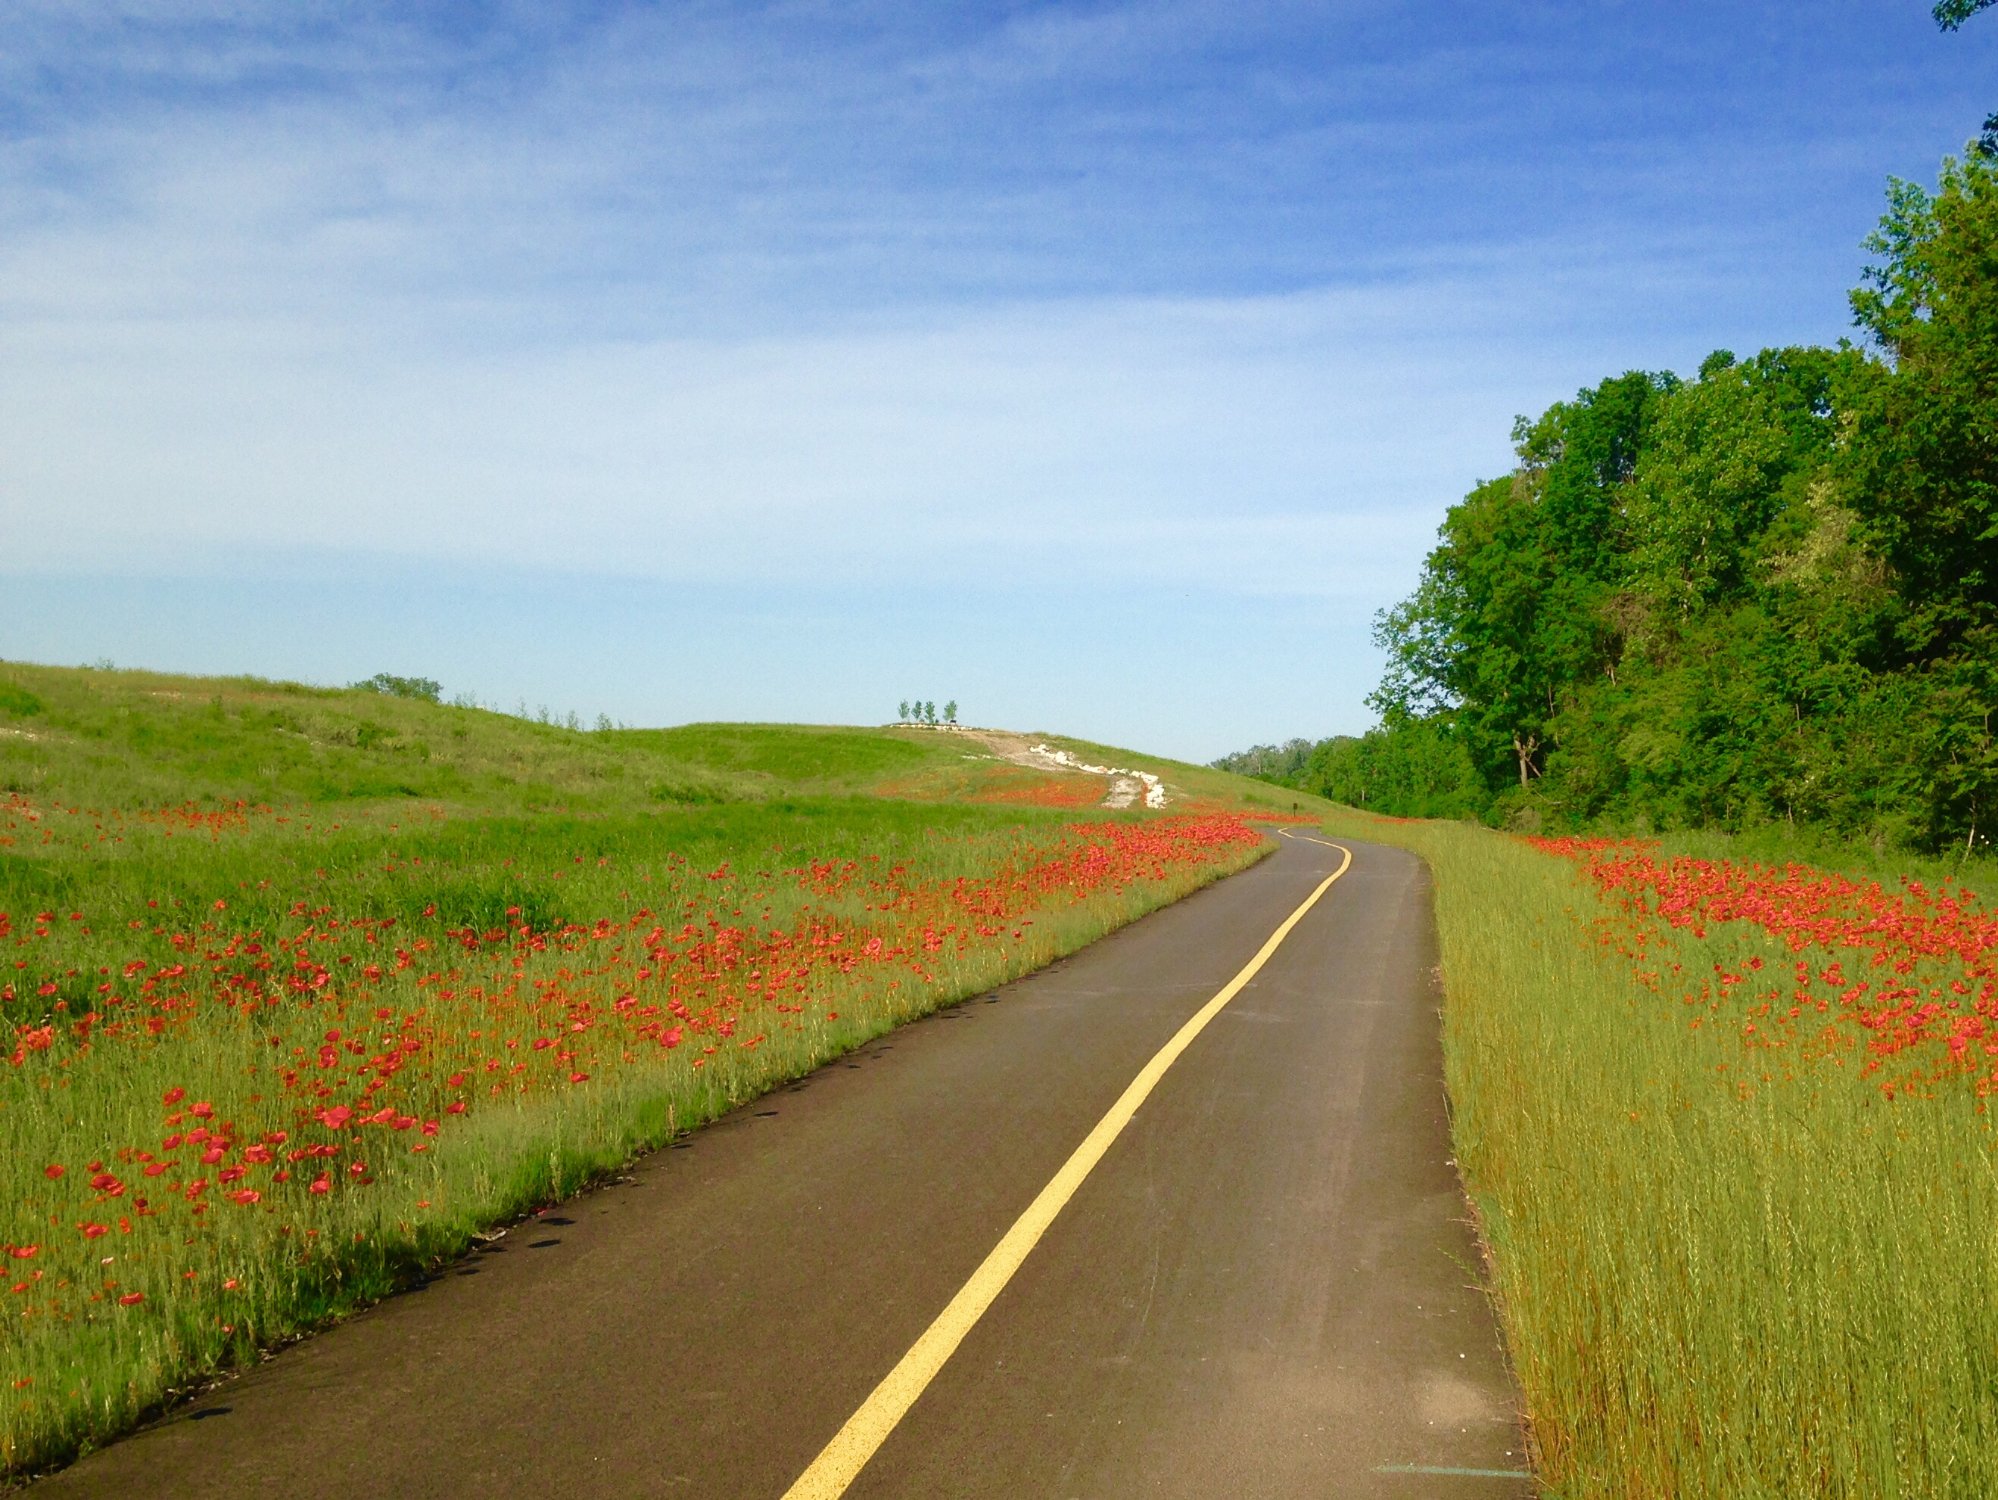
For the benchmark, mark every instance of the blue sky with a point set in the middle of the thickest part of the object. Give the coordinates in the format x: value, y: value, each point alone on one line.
x: 1102, y: 366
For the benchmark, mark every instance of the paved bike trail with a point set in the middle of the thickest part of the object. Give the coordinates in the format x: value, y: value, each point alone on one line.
x: 1267, y: 1287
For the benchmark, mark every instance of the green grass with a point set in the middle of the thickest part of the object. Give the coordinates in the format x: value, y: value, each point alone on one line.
x: 126, y: 739
x: 1722, y: 1270
x: 793, y: 758
x: 245, y: 868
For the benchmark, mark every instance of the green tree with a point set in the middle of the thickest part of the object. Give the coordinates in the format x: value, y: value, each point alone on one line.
x: 1924, y: 464
x: 1277, y: 763
x: 950, y: 712
x: 1770, y: 593
x: 1951, y: 14
x: 1417, y: 768
x: 1728, y: 454
x: 1513, y: 610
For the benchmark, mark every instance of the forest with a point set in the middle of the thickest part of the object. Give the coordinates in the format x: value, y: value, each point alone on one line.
x: 1767, y: 593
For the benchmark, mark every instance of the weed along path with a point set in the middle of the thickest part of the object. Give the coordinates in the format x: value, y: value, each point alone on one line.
x: 1165, y: 1259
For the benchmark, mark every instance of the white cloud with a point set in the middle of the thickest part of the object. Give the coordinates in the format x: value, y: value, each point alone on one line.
x: 1163, y: 299
x: 1262, y: 440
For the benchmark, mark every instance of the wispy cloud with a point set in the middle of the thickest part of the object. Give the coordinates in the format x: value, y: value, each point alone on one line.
x: 1068, y: 441
x: 1163, y: 293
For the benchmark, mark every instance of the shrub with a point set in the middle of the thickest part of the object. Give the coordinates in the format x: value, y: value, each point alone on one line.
x: 392, y: 686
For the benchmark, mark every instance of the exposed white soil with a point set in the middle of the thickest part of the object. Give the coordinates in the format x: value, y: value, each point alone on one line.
x: 1124, y: 791
x: 1127, y: 788
x: 1124, y: 784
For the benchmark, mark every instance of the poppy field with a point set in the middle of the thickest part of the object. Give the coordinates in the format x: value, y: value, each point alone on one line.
x: 1729, y: 1130
x: 263, y: 1063
x: 1898, y: 986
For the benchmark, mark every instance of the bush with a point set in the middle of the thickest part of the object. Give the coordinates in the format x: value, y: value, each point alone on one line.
x: 392, y: 686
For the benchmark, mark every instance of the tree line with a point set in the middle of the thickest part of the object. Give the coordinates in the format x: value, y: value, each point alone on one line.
x: 1765, y: 593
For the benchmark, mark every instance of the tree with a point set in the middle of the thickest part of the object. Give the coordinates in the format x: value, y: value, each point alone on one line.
x: 902, y: 712
x: 1924, y: 461
x: 1767, y: 594
x: 1414, y: 769
x: 950, y: 712
x: 1279, y: 763
x: 1513, y: 609
x: 930, y: 712
x: 1726, y: 456
x: 1951, y: 14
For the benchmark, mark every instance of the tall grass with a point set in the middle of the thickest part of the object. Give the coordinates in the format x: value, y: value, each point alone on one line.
x: 300, y: 989
x: 1724, y: 1269
x: 460, y: 1023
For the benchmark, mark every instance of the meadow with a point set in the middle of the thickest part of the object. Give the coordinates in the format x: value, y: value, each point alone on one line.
x: 304, y: 988
x: 1726, y: 1123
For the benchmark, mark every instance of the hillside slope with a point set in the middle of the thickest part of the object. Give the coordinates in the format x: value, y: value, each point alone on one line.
x: 126, y: 739
x: 301, y: 988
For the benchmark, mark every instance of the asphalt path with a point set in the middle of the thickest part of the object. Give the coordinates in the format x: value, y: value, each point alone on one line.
x: 1266, y: 1286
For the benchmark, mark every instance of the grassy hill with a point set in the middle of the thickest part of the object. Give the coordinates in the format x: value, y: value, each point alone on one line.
x: 125, y: 737
x: 302, y: 987
x: 119, y: 739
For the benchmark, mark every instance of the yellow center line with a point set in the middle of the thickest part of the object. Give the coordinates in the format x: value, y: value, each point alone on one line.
x: 1322, y: 843
x: 842, y: 1459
